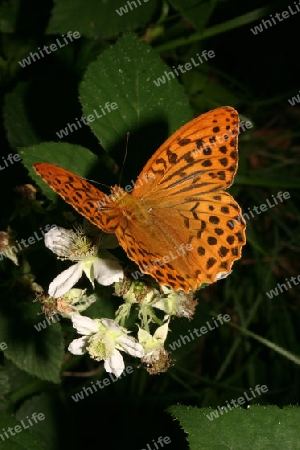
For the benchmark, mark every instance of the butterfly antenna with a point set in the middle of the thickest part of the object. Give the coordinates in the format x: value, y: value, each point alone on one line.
x: 121, y: 173
x: 95, y: 182
x: 125, y: 156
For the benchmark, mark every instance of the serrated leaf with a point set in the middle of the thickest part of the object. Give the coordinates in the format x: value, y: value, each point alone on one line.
x: 50, y: 430
x: 257, y: 428
x: 125, y: 75
x: 141, y: 110
x: 21, y: 440
x: 39, y: 353
x: 17, y: 379
x: 19, y: 128
x: 75, y: 158
x: 93, y: 18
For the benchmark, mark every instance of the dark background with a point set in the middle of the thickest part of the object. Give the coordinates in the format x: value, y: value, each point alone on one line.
x: 257, y: 74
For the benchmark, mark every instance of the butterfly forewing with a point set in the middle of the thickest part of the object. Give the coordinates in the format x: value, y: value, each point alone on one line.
x: 199, y: 157
x: 178, y: 225
x: 82, y: 195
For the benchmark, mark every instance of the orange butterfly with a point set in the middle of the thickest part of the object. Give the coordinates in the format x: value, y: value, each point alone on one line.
x: 178, y: 224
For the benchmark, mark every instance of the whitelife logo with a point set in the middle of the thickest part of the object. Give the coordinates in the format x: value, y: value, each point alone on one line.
x: 217, y: 141
x: 3, y: 346
x: 267, y: 23
x: 161, y: 441
x: 292, y: 101
x: 274, y: 292
x: 149, y: 176
x: 86, y: 120
x: 9, y: 160
x: 86, y: 391
x: 56, y: 318
x: 262, y: 208
x: 241, y: 401
x: 183, y: 68
x: 47, y: 322
x: 202, y: 330
x: 124, y: 8
x: 53, y: 47
x: 31, y: 240
x: 18, y: 428
x: 181, y: 250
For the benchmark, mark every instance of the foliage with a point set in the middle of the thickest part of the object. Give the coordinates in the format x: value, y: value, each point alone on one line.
x: 116, y: 59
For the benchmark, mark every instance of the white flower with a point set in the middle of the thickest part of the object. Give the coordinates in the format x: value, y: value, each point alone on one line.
x: 105, y: 271
x: 102, y: 339
x: 58, y: 240
x: 75, y: 246
x: 156, y: 357
x: 176, y: 303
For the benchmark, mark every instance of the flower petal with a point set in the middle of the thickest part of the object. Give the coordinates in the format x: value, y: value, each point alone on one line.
x: 57, y: 240
x: 88, y: 268
x: 107, y: 271
x: 111, y: 325
x: 65, y: 281
x: 115, y: 363
x: 130, y: 346
x: 84, y: 325
x: 77, y: 346
x: 161, y: 332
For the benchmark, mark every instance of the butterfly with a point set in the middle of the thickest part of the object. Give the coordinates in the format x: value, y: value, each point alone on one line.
x: 178, y: 224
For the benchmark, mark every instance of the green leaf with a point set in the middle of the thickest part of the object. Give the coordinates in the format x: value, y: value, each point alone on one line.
x: 21, y: 440
x: 258, y: 428
x: 21, y: 384
x: 195, y: 11
x: 93, y: 18
x: 49, y: 431
x: 125, y: 74
x: 20, y: 129
x: 144, y: 111
x: 39, y: 353
x: 75, y: 158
